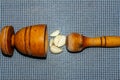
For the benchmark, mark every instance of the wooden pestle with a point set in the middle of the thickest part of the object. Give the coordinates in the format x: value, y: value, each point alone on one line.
x: 76, y: 42
x: 30, y: 40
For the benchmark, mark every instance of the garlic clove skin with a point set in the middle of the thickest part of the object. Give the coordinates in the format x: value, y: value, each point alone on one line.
x: 55, y: 33
x: 55, y: 49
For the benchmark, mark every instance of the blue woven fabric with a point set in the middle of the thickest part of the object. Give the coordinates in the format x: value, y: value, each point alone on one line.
x: 88, y: 17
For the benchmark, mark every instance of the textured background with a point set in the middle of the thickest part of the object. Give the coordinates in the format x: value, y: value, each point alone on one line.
x: 88, y: 17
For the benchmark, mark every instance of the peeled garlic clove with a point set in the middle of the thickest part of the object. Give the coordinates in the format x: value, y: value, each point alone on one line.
x: 51, y: 42
x: 55, y: 33
x: 57, y: 39
x: 61, y: 41
x: 55, y: 49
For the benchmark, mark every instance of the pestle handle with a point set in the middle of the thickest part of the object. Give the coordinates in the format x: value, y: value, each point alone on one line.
x: 104, y: 41
x: 76, y: 42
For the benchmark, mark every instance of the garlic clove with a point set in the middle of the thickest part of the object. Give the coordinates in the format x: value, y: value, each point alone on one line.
x: 55, y: 33
x: 62, y: 41
x: 51, y: 42
x: 57, y: 39
x: 55, y: 49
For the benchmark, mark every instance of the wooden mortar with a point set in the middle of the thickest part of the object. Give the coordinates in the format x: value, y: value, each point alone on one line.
x: 30, y: 40
x: 76, y: 42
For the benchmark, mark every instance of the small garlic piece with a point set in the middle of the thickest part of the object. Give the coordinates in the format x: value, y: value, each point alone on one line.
x: 57, y: 39
x: 55, y: 33
x: 55, y: 49
x: 60, y: 40
x: 51, y: 42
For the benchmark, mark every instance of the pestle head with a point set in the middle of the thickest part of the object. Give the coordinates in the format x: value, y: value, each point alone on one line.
x: 74, y: 42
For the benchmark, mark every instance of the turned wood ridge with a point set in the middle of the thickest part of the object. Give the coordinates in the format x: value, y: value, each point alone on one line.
x: 33, y: 41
